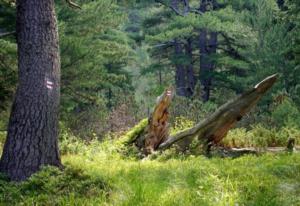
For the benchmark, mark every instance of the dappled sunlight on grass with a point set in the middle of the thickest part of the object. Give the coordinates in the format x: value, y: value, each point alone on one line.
x: 248, y: 180
x: 104, y: 173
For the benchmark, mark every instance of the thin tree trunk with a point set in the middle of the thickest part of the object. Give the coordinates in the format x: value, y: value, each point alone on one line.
x: 191, y: 80
x: 160, y: 77
x: 180, y: 73
x: 33, y: 127
x: 212, y: 49
x: 180, y: 79
x: 207, y: 47
x: 205, y: 66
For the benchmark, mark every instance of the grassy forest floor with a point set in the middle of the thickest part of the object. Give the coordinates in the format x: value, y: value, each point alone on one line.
x: 101, y: 174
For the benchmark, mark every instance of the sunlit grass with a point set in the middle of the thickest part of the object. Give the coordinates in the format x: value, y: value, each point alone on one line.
x: 248, y: 180
x: 100, y: 174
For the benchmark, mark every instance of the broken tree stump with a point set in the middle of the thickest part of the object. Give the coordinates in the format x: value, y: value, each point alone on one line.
x: 153, y: 134
x: 147, y: 137
x: 214, y: 128
x: 158, y: 127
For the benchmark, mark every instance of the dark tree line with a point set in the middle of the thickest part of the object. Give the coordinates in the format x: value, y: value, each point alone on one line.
x: 227, y: 57
x: 185, y: 79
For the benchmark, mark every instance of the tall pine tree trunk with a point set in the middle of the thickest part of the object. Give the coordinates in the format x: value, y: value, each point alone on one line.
x: 207, y: 47
x: 180, y: 79
x: 191, y: 80
x: 204, y: 65
x: 179, y: 73
x: 33, y: 127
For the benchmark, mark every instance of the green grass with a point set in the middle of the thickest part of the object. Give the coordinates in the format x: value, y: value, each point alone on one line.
x: 266, y: 180
x: 99, y: 175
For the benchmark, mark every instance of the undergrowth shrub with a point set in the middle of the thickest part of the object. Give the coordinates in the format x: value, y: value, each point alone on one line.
x: 121, y: 146
x: 121, y: 118
x: 69, y: 143
x: 108, y: 147
x: 87, y: 120
x: 52, y: 186
x: 192, y: 109
x: 181, y: 123
x: 260, y: 136
x: 286, y: 114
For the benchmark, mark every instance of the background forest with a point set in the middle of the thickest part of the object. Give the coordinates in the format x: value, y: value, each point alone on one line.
x: 118, y: 56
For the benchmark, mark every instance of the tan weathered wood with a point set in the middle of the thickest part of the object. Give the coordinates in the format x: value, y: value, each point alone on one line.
x: 155, y: 135
x: 214, y: 128
x: 157, y: 129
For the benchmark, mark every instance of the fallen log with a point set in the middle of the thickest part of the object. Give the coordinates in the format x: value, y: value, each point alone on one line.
x: 155, y: 134
x: 213, y: 129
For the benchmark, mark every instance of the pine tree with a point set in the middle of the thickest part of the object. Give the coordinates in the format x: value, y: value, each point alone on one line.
x: 33, y: 126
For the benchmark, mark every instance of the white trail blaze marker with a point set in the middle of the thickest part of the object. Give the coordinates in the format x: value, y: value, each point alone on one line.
x: 169, y: 93
x: 49, y: 84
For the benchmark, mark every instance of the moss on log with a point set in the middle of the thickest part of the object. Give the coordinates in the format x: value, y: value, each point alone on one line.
x: 133, y: 134
x: 151, y: 132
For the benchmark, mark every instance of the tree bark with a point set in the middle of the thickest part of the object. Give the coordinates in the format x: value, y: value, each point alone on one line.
x: 156, y: 131
x: 33, y: 126
x: 191, y: 80
x: 207, y: 47
x: 204, y: 73
x: 180, y: 79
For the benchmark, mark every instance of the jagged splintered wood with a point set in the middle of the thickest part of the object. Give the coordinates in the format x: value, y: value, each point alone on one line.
x: 215, y: 127
x: 157, y: 130
x: 155, y: 135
